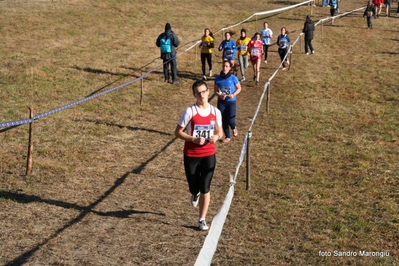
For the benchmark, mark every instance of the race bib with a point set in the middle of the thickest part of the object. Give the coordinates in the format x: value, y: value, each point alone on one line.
x: 203, y: 131
x: 204, y: 45
x: 225, y: 91
x: 255, y: 52
x: 229, y: 52
x: 243, y: 47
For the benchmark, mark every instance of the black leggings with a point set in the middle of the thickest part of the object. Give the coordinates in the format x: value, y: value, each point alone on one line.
x: 199, y: 173
x: 208, y: 58
x: 265, y: 50
x: 282, y: 53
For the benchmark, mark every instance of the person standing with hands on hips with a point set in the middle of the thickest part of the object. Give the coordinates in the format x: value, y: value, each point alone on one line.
x: 308, y: 29
x: 168, y: 41
x: 200, y: 126
x: 226, y: 88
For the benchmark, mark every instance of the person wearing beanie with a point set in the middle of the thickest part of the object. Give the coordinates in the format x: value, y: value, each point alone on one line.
x: 243, y: 53
x: 168, y: 41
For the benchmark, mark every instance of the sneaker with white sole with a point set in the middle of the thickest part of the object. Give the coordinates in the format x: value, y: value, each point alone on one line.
x: 226, y: 140
x: 235, y: 132
x: 243, y: 78
x: 195, y: 199
x: 202, y: 225
x: 210, y: 73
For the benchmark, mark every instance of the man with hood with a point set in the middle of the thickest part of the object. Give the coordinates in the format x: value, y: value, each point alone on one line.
x: 167, y: 41
x: 308, y: 29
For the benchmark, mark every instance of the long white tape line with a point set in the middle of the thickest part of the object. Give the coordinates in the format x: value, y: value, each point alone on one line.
x: 265, y: 13
x: 209, y: 247
x: 211, y: 241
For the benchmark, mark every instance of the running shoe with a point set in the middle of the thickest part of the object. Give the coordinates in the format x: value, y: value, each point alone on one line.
x: 195, y: 199
x: 210, y: 73
x: 226, y: 140
x: 243, y: 78
x: 235, y: 132
x: 202, y: 225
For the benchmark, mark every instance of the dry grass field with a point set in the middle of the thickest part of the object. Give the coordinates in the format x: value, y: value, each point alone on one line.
x: 108, y: 184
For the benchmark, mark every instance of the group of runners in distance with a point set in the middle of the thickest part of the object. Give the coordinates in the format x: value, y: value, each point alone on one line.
x: 252, y: 49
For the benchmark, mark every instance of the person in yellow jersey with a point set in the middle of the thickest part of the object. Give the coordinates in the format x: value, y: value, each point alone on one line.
x: 243, y: 52
x: 206, y: 45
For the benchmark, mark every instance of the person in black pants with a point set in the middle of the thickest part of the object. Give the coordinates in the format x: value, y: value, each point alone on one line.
x: 308, y: 29
x: 168, y: 41
x: 283, y: 43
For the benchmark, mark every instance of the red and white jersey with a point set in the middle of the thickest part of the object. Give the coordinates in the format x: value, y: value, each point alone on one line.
x: 256, y: 48
x: 200, y: 123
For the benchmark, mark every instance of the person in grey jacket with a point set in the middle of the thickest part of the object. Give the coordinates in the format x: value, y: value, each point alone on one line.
x: 308, y: 29
x: 167, y: 41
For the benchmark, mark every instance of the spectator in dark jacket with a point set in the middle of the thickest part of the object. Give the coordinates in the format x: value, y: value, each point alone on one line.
x: 308, y: 29
x: 168, y: 41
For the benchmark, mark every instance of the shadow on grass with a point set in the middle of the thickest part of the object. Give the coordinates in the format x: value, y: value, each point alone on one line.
x: 98, y: 122
x: 23, y: 198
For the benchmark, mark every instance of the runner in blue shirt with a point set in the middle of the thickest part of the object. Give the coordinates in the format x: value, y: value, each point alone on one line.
x: 283, y: 44
x: 229, y: 48
x: 267, y: 35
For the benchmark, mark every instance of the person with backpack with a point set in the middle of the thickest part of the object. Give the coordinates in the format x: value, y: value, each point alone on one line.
x: 308, y: 29
x: 167, y: 42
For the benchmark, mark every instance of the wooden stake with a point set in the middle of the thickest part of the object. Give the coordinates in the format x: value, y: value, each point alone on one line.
x: 268, y: 98
x: 30, y: 147
x: 141, y: 90
x: 249, y: 161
